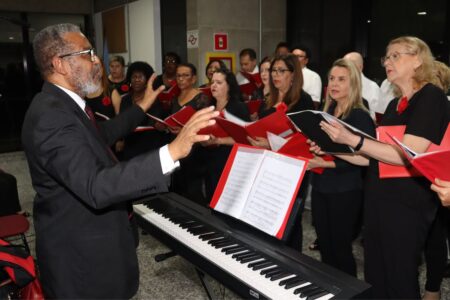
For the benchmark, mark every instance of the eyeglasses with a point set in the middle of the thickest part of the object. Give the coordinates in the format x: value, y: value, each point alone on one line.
x: 300, y: 56
x: 90, y: 51
x: 170, y: 61
x: 279, y: 71
x: 183, y: 76
x: 393, y: 57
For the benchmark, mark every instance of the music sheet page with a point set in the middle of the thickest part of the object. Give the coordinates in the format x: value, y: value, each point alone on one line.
x: 239, y: 182
x: 272, y: 192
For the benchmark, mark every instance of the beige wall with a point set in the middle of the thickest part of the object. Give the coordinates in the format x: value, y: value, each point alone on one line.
x: 241, y: 20
x: 143, y: 33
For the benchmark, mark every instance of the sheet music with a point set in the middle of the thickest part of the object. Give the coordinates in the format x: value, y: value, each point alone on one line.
x: 239, y: 182
x: 275, y: 141
x: 272, y: 192
x: 230, y: 117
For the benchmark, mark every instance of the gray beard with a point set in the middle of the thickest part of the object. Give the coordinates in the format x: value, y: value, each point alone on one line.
x: 84, y: 86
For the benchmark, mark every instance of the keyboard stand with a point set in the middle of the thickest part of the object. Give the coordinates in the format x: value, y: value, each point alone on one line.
x: 206, y: 285
x: 163, y: 256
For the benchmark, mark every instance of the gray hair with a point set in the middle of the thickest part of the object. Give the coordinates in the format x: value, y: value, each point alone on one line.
x: 50, y: 42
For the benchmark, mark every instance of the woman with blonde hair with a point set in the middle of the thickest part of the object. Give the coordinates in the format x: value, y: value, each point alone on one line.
x: 399, y: 211
x: 337, y: 193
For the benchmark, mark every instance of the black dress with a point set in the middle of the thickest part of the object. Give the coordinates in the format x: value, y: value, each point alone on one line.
x: 216, y: 156
x: 121, y: 87
x: 295, y: 236
x: 101, y: 104
x: 188, y: 179
x: 140, y: 142
x: 398, y: 212
x: 337, y: 199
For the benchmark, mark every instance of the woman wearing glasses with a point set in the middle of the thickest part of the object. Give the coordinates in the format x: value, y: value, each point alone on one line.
x: 399, y: 211
x: 337, y: 193
x: 287, y: 95
x: 187, y: 180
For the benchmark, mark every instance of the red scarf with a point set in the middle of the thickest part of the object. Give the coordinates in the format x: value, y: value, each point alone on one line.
x: 402, y: 105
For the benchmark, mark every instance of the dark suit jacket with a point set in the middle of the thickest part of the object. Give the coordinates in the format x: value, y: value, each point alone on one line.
x: 84, y: 243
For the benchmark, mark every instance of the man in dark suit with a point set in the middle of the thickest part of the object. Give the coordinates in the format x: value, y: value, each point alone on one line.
x: 84, y: 242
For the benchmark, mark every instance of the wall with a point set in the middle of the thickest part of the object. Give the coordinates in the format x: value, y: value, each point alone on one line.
x: 143, y: 33
x: 241, y: 20
x: 48, y: 6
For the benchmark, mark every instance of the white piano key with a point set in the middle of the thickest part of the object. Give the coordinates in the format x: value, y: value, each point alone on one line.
x: 252, y: 278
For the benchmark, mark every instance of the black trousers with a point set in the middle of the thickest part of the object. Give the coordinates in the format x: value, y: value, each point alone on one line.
x: 436, y: 251
x: 9, y: 203
x: 335, y: 216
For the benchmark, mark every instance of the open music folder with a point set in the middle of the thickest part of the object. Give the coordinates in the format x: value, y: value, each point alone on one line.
x: 178, y: 119
x: 308, y: 122
x: 259, y: 187
x: 386, y: 134
x: 295, y: 145
x: 277, y: 123
x: 432, y: 165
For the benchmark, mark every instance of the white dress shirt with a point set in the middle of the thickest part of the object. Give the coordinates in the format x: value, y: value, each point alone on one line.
x: 312, y: 84
x: 386, y: 95
x: 242, y: 80
x: 167, y: 163
x: 370, y: 92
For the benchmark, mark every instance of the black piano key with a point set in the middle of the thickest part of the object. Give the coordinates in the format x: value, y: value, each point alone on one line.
x: 237, y: 255
x: 274, y: 272
x: 307, y: 293
x: 213, y: 242
x: 210, y: 236
x: 295, y: 283
x: 301, y: 289
x: 317, y: 294
x: 306, y: 289
x: 191, y: 224
x: 265, y: 261
x: 264, y: 272
x: 289, y: 280
x: 200, y: 230
x: 231, y: 248
x: 240, y: 256
x: 262, y: 266
x: 250, y: 258
x: 235, y: 250
x: 251, y: 254
x: 280, y: 275
x: 224, y: 244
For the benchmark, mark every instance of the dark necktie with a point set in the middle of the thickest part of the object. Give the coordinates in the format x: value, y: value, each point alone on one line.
x: 91, y: 116
x: 402, y: 105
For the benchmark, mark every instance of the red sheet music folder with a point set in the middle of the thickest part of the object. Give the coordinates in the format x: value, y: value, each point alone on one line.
x: 259, y: 187
x: 391, y: 171
x: 297, y: 146
x: 178, y: 119
x: 432, y: 165
x: 276, y: 123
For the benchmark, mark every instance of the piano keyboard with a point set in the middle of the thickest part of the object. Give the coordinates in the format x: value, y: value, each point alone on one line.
x: 258, y: 268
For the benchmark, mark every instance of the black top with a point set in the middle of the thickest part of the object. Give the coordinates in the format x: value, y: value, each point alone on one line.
x: 198, y: 102
x: 101, y: 104
x: 122, y: 87
x: 216, y: 157
x: 142, y: 141
x: 426, y: 116
x: 305, y: 103
x: 345, y: 177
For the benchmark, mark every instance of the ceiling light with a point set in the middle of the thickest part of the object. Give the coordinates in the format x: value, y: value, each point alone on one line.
x: 422, y: 13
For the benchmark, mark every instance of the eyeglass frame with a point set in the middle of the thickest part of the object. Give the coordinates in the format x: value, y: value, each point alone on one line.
x: 396, y: 55
x: 279, y: 71
x: 91, y: 52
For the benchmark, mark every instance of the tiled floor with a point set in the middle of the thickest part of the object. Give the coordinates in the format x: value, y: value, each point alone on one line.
x: 174, y: 278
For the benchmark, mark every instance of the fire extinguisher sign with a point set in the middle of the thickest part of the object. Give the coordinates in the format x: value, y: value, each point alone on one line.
x: 220, y: 41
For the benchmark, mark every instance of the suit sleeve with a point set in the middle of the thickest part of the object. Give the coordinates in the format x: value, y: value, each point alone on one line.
x: 77, y: 160
x: 121, y: 125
